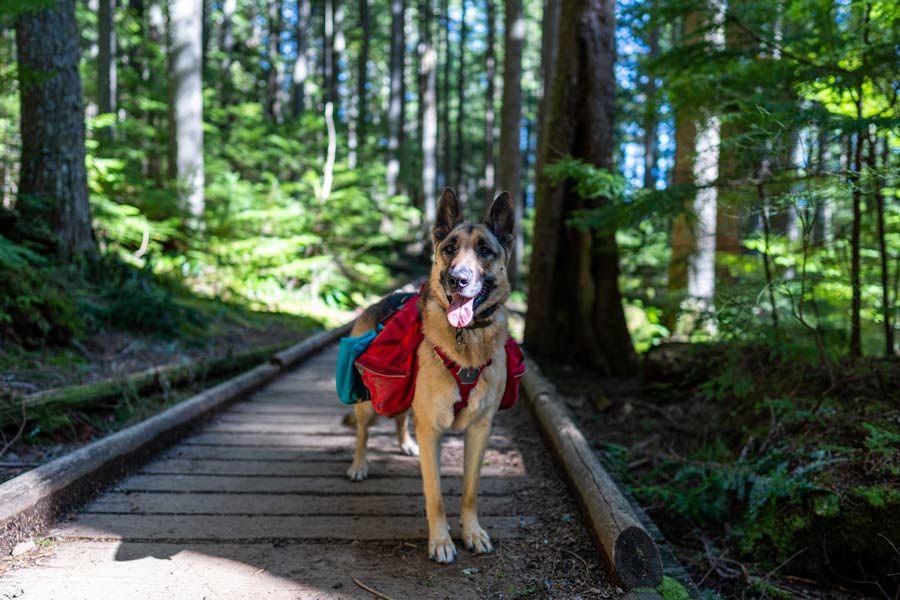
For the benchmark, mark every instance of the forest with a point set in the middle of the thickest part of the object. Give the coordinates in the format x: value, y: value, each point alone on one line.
x: 707, y: 262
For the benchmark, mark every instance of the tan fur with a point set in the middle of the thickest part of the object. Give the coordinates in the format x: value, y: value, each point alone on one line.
x: 436, y: 391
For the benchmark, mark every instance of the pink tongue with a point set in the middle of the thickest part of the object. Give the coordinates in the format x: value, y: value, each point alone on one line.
x: 460, y: 311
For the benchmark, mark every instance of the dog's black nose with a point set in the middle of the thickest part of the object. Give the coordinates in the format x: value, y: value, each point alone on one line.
x: 459, y: 279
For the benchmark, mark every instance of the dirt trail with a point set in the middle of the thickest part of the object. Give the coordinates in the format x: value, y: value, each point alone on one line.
x: 256, y: 504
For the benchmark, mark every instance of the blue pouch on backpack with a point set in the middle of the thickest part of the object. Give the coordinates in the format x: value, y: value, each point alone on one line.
x: 350, y: 388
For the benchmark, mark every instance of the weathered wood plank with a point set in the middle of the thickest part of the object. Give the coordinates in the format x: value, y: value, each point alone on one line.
x: 263, y: 504
x: 399, y: 465
x: 345, y: 438
x: 249, y: 528
x: 377, y: 483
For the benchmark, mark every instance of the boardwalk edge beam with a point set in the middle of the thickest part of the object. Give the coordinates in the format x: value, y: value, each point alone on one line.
x: 35, y: 499
x: 631, y: 553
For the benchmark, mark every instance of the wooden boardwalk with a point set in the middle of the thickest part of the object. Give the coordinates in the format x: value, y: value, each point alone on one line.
x: 255, y: 503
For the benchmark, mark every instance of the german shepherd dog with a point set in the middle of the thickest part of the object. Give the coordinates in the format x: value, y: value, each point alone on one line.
x: 462, y: 312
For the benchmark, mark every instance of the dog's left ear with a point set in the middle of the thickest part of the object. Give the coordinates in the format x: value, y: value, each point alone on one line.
x: 501, y: 220
x: 449, y: 215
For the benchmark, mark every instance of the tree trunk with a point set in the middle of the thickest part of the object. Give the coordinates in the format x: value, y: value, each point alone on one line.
x: 575, y: 309
x: 362, y: 107
x: 52, y: 126
x: 186, y: 105
x: 651, y: 118
x: 329, y: 52
x: 446, y: 160
x: 855, y: 282
x: 301, y: 65
x: 511, y: 123
x: 106, y: 60
x: 878, y: 184
x: 428, y: 74
x: 490, y: 73
x: 460, y: 103
x: 549, y: 33
x: 693, y: 259
x: 395, y: 98
x: 227, y: 43
x: 275, y: 73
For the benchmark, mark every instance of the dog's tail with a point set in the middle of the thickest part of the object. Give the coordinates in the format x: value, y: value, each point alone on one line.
x: 349, y: 420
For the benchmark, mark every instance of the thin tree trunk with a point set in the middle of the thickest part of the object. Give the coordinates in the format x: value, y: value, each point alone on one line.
x: 362, y: 84
x: 460, y: 103
x: 395, y: 97
x: 511, y: 123
x: 428, y: 76
x: 490, y: 73
x: 575, y: 309
x: 444, y: 96
x: 328, y: 52
x: 106, y: 65
x: 228, y: 9
x: 301, y: 64
x: 549, y: 33
x: 651, y: 118
x: 855, y: 283
x: 156, y: 119
x: 275, y: 73
x: 186, y: 105
x: 878, y: 182
x: 52, y: 126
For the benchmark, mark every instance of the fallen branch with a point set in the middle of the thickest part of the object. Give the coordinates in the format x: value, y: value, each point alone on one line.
x: 375, y: 593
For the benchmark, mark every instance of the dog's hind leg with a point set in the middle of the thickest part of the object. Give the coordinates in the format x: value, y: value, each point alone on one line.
x: 408, y: 445
x: 365, y: 416
x: 474, y: 536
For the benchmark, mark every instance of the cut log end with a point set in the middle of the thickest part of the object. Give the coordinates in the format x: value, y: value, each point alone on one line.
x: 636, y: 558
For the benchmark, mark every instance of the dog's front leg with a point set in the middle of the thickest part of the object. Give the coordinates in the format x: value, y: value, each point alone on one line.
x: 440, y: 546
x: 474, y: 537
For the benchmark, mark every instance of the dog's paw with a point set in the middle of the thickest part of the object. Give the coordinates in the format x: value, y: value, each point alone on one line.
x: 442, y: 550
x: 358, y: 473
x: 409, y: 448
x: 477, y: 540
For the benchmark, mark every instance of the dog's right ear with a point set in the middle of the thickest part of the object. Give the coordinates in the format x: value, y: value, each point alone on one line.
x: 449, y: 216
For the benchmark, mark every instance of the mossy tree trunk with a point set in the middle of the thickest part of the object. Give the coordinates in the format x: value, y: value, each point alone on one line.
x: 53, y: 178
x: 575, y: 309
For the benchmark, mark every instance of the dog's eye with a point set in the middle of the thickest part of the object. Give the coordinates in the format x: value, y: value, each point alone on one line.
x: 449, y: 249
x: 485, y: 252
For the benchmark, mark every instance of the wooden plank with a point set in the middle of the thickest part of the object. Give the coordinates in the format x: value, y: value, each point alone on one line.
x: 289, y: 426
x: 257, y: 528
x: 392, y: 466
x: 376, y: 484
x: 294, y: 504
x: 251, y: 453
x: 307, y: 440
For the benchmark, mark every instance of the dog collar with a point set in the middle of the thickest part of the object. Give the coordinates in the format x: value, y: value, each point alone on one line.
x: 466, y: 377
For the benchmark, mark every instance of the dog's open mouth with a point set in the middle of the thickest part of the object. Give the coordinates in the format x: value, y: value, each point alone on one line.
x: 461, y: 311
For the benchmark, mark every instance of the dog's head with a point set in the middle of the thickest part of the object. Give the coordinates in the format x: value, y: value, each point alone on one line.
x: 470, y: 260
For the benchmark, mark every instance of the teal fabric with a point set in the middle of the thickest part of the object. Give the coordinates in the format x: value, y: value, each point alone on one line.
x: 350, y: 388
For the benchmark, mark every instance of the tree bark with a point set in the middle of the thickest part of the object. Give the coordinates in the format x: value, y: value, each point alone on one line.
x: 275, y: 72
x: 52, y: 127
x: 227, y: 43
x: 395, y: 97
x: 446, y: 160
x: 693, y: 259
x: 106, y: 59
x: 855, y: 281
x: 549, y: 33
x: 511, y: 123
x: 362, y: 84
x: 651, y: 118
x: 460, y: 103
x: 428, y: 76
x: 490, y: 183
x: 329, y: 52
x: 575, y: 310
x: 301, y: 64
x: 186, y: 105
x: 879, y: 182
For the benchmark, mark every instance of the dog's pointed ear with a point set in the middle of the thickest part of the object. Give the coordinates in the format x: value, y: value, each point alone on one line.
x: 501, y: 220
x: 449, y: 216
